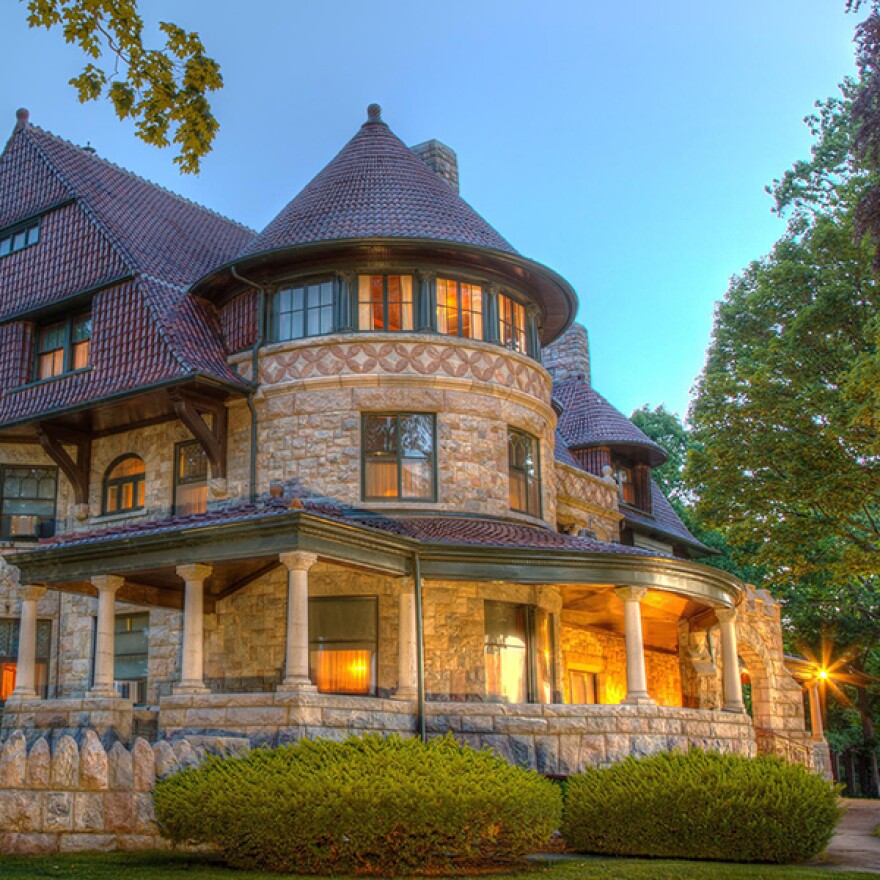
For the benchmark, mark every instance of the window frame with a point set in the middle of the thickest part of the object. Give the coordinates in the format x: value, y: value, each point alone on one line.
x: 11, y: 659
x: 520, y: 334
x: 385, y: 276
x: 511, y: 430
x: 11, y: 232
x: 305, y: 284
x: 6, y: 535
x: 530, y: 628
x: 399, y: 496
x: 313, y: 643
x: 459, y: 310
x: 68, y: 345
x: 121, y: 481
x: 140, y: 697
x: 177, y: 480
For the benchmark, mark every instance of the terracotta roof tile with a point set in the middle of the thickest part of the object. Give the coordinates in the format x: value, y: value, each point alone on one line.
x: 376, y: 187
x: 588, y: 419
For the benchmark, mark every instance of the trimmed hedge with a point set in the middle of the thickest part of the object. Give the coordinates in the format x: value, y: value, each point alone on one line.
x: 367, y: 805
x: 701, y: 805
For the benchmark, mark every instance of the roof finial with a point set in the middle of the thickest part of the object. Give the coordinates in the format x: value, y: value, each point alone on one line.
x: 374, y: 113
x: 22, y: 117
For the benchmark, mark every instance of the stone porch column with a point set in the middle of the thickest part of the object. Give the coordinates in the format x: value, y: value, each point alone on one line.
x: 816, y: 724
x: 296, y: 666
x: 26, y: 670
x: 407, y: 676
x: 733, y: 695
x: 107, y: 586
x: 636, y: 677
x: 192, y: 660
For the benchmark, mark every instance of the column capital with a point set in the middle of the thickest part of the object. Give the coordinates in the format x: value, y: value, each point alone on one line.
x: 197, y: 571
x: 726, y: 615
x: 32, y: 592
x: 298, y: 560
x: 408, y: 584
x: 631, y: 594
x: 107, y: 583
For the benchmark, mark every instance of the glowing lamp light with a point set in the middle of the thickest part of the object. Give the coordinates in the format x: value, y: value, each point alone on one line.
x: 823, y: 674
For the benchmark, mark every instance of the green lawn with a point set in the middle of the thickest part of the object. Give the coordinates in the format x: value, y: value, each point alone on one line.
x: 161, y: 866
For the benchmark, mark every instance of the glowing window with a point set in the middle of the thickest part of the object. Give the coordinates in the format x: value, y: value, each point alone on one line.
x: 399, y: 458
x: 511, y: 323
x: 385, y: 302
x: 9, y: 629
x: 63, y: 346
x: 124, y: 485
x: 459, y: 309
x: 343, y: 637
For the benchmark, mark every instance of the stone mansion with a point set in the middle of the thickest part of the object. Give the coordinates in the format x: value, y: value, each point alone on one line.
x: 347, y: 473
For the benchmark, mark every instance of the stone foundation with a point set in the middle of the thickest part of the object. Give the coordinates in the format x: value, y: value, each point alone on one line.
x: 111, y: 717
x: 553, y: 739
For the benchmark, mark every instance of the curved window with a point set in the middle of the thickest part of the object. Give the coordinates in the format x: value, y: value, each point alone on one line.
x: 385, y: 302
x: 124, y: 485
x: 512, y: 323
x: 398, y: 457
x: 459, y: 308
x: 525, y: 472
x: 304, y: 310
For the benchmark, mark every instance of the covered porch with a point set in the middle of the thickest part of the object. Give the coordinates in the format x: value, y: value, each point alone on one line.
x: 294, y: 624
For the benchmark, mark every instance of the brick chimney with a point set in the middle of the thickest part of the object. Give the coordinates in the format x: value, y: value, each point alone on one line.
x: 439, y: 158
x: 569, y: 356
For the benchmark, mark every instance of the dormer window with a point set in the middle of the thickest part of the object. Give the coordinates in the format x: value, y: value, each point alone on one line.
x: 63, y: 346
x: 512, y: 324
x: 459, y: 309
x: 385, y: 302
x: 626, y: 487
x: 19, y: 237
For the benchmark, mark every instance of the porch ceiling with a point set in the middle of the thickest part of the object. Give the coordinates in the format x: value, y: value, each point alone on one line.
x: 598, y: 607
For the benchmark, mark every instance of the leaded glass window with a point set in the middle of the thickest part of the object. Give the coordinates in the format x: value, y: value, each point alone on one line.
x: 190, y: 479
x: 27, y: 502
x: 525, y: 472
x: 399, y: 456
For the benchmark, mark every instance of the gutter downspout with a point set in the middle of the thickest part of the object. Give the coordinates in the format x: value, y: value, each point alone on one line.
x: 255, y: 381
x: 420, y: 649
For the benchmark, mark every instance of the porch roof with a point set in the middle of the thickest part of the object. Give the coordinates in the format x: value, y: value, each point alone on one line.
x: 243, y: 541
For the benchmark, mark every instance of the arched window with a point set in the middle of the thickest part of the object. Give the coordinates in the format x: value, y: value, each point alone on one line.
x: 124, y: 485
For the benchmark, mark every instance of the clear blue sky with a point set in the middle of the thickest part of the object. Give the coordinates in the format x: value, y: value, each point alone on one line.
x: 625, y: 145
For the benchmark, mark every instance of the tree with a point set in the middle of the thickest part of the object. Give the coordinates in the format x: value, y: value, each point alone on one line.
x: 786, y: 461
x: 165, y: 92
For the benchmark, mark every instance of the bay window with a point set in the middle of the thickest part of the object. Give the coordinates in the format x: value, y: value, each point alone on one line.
x: 399, y: 456
x: 343, y: 644
x: 459, y: 309
x: 385, y: 302
x: 27, y: 502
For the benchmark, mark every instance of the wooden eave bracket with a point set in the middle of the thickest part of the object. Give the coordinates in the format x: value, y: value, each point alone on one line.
x: 189, y: 409
x: 52, y: 439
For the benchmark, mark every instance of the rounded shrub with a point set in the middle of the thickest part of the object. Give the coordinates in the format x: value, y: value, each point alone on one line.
x: 701, y: 805
x: 367, y: 805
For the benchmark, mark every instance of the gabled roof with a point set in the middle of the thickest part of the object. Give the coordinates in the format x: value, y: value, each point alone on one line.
x: 588, y: 419
x: 663, y: 521
x: 132, y: 244
x: 376, y: 187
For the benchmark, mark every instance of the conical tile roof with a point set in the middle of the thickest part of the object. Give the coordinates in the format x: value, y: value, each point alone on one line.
x: 376, y: 187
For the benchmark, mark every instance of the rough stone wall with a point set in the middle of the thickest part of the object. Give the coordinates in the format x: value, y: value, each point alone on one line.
x: 777, y: 699
x: 81, y: 797
x: 594, y: 650
x: 440, y: 158
x: 569, y: 356
x: 700, y: 676
x: 309, y: 415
